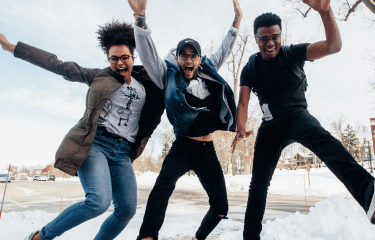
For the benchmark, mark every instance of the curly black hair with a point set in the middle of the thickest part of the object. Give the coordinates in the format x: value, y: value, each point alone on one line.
x: 116, y: 33
x: 266, y: 20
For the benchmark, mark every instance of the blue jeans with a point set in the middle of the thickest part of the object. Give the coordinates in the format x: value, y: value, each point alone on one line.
x: 106, y: 174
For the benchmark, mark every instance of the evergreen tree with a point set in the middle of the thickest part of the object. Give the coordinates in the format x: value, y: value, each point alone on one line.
x: 350, y: 140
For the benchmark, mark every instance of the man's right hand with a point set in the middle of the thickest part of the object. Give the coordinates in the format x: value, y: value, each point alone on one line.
x: 7, y: 46
x: 138, y: 6
x: 240, y: 135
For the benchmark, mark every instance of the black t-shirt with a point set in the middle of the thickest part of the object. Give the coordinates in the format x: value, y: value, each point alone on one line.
x: 279, y: 90
x: 206, y: 121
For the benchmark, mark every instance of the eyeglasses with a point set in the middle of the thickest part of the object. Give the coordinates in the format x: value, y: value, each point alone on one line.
x: 265, y: 39
x: 185, y: 56
x: 124, y: 58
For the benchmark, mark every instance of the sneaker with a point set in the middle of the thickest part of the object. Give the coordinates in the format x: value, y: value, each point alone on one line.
x: 31, y: 235
x: 371, y: 210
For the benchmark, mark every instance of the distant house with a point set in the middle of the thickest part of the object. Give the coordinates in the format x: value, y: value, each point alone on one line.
x: 35, y: 171
x: 285, y: 163
x: 300, y: 160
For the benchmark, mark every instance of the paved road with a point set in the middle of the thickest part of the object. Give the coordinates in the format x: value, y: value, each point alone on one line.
x: 46, y: 196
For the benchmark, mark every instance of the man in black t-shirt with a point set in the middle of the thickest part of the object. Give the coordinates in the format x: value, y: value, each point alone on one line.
x: 285, y: 116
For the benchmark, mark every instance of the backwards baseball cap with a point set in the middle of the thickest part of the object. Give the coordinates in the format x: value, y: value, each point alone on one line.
x: 188, y: 41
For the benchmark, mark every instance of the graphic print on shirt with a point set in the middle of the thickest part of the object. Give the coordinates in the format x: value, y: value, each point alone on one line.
x: 124, y: 113
x: 267, y: 116
x: 198, y: 88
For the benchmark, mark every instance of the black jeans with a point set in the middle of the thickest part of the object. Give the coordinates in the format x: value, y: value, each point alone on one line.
x: 187, y: 154
x: 300, y: 127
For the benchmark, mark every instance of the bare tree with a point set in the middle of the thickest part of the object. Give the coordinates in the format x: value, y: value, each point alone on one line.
x: 235, y: 62
x: 372, y: 82
x: 243, y: 156
x: 14, y: 169
x: 345, y: 8
x: 337, y: 127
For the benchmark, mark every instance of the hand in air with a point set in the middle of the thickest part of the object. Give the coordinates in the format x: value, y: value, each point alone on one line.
x: 138, y: 6
x: 5, y: 44
x: 318, y: 5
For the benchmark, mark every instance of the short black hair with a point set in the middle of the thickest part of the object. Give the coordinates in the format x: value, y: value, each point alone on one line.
x: 266, y: 20
x: 116, y: 33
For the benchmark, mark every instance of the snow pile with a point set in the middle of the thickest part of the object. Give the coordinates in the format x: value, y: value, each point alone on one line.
x: 335, y: 218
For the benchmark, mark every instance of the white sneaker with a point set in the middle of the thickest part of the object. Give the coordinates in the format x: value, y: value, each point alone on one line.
x: 371, y: 210
x: 32, y: 235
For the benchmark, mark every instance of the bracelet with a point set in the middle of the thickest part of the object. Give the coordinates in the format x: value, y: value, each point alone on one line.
x: 140, y: 16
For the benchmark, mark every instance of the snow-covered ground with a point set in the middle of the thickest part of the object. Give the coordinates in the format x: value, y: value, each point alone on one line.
x: 339, y: 217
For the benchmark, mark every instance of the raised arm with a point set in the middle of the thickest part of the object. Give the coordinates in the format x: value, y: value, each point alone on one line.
x: 139, y: 9
x: 7, y: 46
x: 237, y: 14
x: 154, y: 65
x: 48, y: 61
x: 219, y: 57
x: 333, y: 43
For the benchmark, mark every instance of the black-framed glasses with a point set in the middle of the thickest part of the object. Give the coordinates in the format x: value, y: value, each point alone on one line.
x: 185, y: 56
x: 265, y: 39
x: 124, y: 58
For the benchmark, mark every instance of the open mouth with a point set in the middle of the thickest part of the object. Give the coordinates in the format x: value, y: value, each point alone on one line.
x: 188, y: 70
x: 122, y: 70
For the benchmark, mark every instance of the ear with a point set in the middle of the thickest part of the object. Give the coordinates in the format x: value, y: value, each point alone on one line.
x: 200, y: 60
x: 256, y: 40
x: 176, y: 57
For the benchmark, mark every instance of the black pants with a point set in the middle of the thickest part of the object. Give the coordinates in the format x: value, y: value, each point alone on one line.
x: 187, y: 154
x: 300, y: 127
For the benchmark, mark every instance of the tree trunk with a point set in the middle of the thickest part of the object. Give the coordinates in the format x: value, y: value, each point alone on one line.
x: 234, y: 164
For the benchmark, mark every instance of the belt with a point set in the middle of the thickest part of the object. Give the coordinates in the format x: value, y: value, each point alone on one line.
x: 105, y: 133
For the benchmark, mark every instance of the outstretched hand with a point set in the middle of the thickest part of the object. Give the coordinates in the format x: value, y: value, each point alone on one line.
x: 138, y: 6
x: 318, y: 5
x: 240, y: 135
x: 7, y: 46
x: 238, y: 14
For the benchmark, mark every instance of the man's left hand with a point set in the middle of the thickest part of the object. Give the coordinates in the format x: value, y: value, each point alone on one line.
x: 318, y: 5
x: 238, y: 14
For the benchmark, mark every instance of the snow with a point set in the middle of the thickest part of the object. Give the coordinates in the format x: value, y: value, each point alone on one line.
x: 338, y: 217
x: 322, y: 183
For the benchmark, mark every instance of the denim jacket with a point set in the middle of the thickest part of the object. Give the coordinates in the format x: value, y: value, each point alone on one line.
x: 166, y: 75
x: 180, y: 114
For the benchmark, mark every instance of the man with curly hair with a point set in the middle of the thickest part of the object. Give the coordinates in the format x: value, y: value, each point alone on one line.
x: 280, y: 88
x: 116, y: 125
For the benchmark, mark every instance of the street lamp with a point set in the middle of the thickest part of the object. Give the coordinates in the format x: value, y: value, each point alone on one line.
x: 369, y: 155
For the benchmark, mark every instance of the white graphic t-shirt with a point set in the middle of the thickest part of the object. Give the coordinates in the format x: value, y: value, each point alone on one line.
x: 198, y: 88
x: 121, y: 113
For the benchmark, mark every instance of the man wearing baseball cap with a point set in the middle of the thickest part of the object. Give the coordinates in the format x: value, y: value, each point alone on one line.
x: 198, y: 102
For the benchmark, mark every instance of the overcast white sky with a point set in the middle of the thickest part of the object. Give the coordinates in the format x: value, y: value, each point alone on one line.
x: 37, y: 108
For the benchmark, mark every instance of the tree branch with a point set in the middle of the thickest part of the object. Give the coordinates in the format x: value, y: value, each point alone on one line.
x: 303, y: 14
x: 351, y: 9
